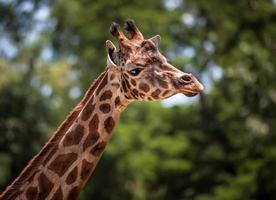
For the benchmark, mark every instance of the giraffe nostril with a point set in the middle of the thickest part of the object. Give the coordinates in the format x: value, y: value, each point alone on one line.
x: 186, y: 78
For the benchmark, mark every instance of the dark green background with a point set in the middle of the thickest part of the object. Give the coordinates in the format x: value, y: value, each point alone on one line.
x: 219, y: 147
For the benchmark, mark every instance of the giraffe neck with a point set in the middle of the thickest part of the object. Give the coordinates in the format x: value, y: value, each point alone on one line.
x: 71, y: 159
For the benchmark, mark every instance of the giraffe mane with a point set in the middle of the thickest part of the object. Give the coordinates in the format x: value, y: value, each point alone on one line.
x: 30, y: 169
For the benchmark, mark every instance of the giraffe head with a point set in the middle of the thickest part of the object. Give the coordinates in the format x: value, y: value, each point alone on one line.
x: 144, y: 72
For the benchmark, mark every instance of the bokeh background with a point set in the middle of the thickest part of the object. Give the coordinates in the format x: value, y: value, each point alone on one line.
x: 220, y: 145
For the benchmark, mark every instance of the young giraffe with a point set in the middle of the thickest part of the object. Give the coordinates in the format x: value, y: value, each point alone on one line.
x: 137, y: 71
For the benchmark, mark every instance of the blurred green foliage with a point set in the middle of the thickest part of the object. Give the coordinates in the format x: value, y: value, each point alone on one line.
x: 221, y: 147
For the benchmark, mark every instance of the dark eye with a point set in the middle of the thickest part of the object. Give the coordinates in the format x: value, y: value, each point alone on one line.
x: 135, y: 72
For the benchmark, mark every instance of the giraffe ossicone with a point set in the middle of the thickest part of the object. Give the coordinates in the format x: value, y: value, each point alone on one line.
x: 135, y: 71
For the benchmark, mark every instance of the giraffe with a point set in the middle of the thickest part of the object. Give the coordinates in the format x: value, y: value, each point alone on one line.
x: 136, y: 71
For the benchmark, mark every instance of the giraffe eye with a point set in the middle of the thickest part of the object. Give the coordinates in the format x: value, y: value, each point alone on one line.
x: 135, y: 72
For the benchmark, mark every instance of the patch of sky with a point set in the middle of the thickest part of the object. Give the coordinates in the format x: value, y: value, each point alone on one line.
x: 172, y: 4
x: 189, y: 68
x: 72, y: 59
x: 26, y: 6
x: 73, y: 75
x: 208, y: 46
x: 42, y: 22
x: 179, y: 99
x: 74, y: 92
x: 188, y: 19
x: 213, y: 73
x: 47, y: 53
x: 7, y: 48
x: 42, y: 13
x: 34, y: 34
x: 6, y: 1
x: 46, y: 90
x: 188, y: 52
x: 191, y: 21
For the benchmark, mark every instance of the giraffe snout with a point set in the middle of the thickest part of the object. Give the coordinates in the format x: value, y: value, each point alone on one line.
x: 198, y: 86
x: 188, y: 85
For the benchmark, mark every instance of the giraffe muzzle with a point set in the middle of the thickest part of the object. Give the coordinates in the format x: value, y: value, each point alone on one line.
x: 189, y: 85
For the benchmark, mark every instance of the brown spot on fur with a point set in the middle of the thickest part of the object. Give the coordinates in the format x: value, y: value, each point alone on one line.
x: 86, y: 169
x: 144, y: 87
x: 74, y: 137
x: 133, y: 95
x: 51, y: 153
x: 124, y: 86
x: 105, y: 108
x: 98, y: 149
x: 106, y: 95
x: 151, y: 79
x: 117, y: 101
x: 133, y: 82
x: 165, y: 93
x: 136, y: 92
x: 147, y: 46
x: 142, y: 95
x: 73, y: 193
x: 90, y: 140
x: 109, y: 124
x: 88, y: 110
x: 61, y: 164
x: 94, y: 123
x: 31, y: 193
x: 127, y: 97
x: 102, y: 84
x: 112, y: 77
x: 72, y: 176
x: 58, y: 195
x: 127, y: 83
x: 126, y: 75
x: 116, y: 85
x: 45, y: 186
x: 163, y: 83
x: 90, y: 102
x: 156, y: 93
x: 32, y: 175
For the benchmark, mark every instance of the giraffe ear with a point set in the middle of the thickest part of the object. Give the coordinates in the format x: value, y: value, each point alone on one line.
x: 110, y: 49
x: 156, y: 40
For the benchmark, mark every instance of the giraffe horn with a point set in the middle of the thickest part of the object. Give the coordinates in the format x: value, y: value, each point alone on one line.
x: 131, y: 27
x: 117, y: 32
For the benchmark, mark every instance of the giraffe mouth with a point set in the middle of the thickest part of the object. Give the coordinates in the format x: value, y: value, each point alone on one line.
x: 190, y: 94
